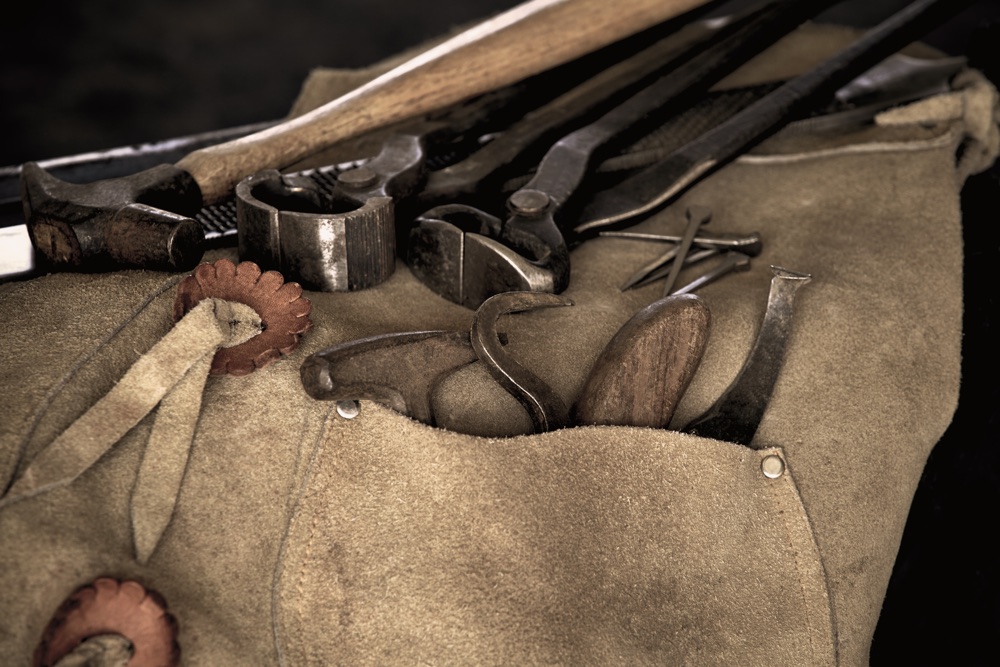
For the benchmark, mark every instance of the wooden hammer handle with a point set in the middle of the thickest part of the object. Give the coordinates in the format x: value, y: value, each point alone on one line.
x: 523, y: 41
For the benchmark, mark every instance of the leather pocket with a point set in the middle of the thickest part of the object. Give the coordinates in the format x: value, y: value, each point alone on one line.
x: 413, y: 545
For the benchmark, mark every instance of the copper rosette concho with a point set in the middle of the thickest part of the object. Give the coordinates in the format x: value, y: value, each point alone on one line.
x: 280, y: 305
x: 108, y: 606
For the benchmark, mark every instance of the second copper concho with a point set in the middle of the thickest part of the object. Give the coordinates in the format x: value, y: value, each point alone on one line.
x: 110, y: 608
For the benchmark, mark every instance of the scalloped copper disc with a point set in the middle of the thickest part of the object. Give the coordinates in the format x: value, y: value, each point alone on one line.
x: 110, y: 606
x: 280, y: 305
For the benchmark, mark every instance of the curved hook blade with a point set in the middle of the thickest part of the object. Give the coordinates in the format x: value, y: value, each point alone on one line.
x: 546, y: 408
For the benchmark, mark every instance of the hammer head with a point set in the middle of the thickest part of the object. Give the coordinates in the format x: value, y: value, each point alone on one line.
x: 137, y: 221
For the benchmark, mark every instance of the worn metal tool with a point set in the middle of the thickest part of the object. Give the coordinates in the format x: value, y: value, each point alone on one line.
x: 642, y: 373
x: 532, y: 253
x: 344, y: 240
x: 896, y: 80
x: 750, y: 245
x: 655, y: 186
x: 664, y: 264
x: 609, y: 81
x: 731, y: 261
x: 332, y: 228
x: 544, y: 406
x: 146, y: 219
x: 398, y: 370
x: 401, y: 370
x: 697, y: 216
x: 735, y: 416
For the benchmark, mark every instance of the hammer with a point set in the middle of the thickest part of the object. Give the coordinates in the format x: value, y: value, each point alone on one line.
x: 145, y: 220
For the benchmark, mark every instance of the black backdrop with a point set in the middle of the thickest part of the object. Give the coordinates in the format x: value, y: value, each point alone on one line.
x: 90, y: 75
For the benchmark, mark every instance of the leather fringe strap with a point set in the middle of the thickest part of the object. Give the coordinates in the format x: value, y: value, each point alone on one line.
x: 99, y: 651
x: 172, y: 374
x: 158, y: 484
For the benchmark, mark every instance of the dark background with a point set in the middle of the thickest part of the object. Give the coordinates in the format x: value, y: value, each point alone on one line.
x: 102, y: 73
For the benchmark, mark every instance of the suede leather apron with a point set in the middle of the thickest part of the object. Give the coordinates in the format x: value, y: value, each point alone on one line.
x: 300, y: 537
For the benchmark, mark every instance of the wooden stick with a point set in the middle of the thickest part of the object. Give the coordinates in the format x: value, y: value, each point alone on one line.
x: 528, y: 39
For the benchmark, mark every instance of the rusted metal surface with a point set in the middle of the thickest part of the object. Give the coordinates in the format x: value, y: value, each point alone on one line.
x: 735, y: 416
x: 140, y: 221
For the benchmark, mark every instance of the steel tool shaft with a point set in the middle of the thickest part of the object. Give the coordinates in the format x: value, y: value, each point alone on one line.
x: 750, y: 246
x: 737, y: 414
x: 697, y: 216
x: 662, y: 265
x: 731, y: 261
x: 720, y: 241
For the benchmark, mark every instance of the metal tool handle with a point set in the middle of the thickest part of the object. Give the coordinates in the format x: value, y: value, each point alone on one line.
x: 561, y: 171
x: 520, y: 42
x: 735, y: 416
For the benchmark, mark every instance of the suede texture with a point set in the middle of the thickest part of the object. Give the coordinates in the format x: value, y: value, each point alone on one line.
x: 303, y: 537
x: 151, y: 381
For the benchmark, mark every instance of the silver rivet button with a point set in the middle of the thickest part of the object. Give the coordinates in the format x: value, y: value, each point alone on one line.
x: 772, y: 466
x: 348, y: 409
x: 359, y: 177
x: 528, y: 202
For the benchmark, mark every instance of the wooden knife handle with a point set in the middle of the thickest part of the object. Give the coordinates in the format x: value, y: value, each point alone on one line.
x: 523, y: 41
x: 641, y: 375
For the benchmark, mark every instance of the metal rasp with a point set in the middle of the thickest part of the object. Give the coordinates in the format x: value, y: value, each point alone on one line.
x: 655, y: 186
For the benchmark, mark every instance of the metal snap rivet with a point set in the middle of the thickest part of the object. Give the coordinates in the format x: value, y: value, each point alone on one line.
x: 359, y: 177
x: 772, y: 466
x: 348, y: 409
x: 528, y: 202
